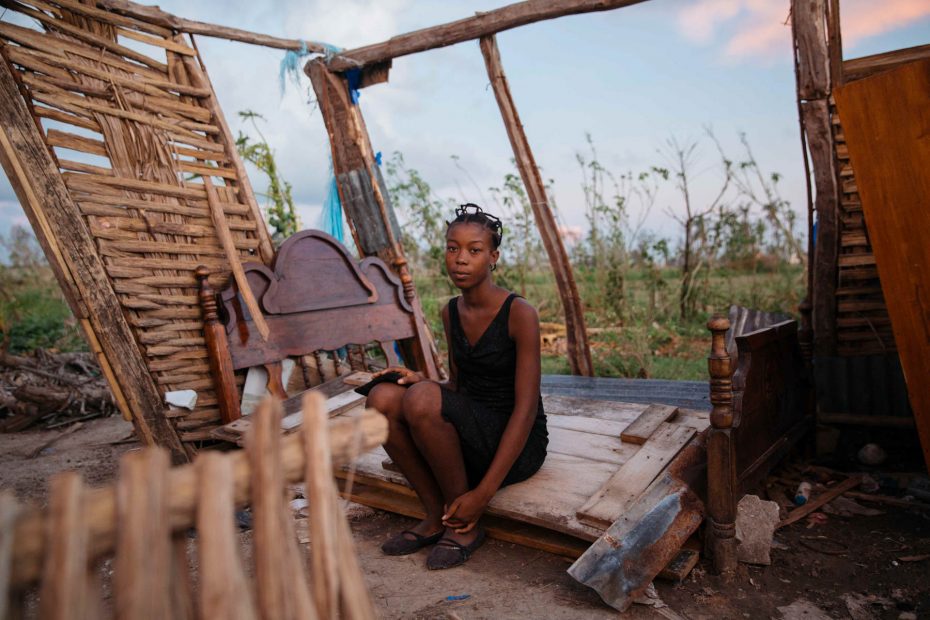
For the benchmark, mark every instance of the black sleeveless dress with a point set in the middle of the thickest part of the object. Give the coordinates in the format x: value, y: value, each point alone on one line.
x: 483, y: 401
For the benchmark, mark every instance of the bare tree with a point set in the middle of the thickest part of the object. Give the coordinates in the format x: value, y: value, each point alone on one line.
x: 762, y: 191
x: 682, y: 159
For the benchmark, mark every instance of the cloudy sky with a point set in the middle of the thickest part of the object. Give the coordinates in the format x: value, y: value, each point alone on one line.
x: 632, y: 78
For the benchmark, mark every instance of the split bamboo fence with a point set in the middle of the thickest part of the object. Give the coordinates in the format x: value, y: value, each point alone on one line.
x: 169, y: 534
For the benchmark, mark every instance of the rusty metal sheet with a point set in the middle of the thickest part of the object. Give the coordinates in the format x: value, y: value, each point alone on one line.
x: 622, y: 563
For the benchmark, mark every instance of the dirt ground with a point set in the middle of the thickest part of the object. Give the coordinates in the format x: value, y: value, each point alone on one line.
x: 829, y: 567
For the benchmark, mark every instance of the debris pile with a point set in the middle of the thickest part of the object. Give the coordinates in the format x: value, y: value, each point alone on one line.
x: 51, y: 390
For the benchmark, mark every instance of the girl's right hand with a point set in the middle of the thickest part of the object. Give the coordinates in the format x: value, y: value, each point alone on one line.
x: 409, y: 377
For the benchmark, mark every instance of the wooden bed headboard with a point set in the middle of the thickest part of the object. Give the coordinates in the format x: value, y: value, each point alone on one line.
x: 314, y: 297
x: 759, y: 412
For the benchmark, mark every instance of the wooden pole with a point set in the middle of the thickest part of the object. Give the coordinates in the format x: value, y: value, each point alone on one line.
x: 366, y: 203
x: 579, y: 354
x: 318, y: 482
x: 835, y: 44
x: 155, y: 15
x: 347, y: 436
x: 813, y: 79
x: 482, y: 24
x: 40, y: 187
x: 232, y: 255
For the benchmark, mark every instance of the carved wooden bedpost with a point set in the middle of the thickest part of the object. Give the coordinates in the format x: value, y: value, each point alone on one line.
x: 224, y: 377
x: 721, y: 466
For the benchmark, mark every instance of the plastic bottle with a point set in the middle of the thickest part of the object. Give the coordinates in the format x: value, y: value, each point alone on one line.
x: 802, y: 494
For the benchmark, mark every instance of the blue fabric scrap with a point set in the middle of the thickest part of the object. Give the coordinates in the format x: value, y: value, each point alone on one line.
x: 354, y: 78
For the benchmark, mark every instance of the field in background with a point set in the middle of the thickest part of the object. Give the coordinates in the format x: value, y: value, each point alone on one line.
x: 651, y: 341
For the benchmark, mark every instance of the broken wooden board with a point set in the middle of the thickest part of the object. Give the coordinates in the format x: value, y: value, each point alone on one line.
x: 619, y: 493
x: 548, y: 499
x: 335, y: 405
x: 508, y: 530
x: 638, y: 545
x: 647, y: 423
x: 682, y: 564
x: 614, y: 414
x: 341, y: 398
x: 884, y: 120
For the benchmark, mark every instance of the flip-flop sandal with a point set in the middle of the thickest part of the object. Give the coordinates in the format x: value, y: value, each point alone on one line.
x: 448, y: 553
x: 399, y: 544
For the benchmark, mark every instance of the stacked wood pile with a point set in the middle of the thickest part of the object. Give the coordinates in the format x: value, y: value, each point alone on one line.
x: 51, y: 389
x: 142, y: 522
x: 127, y: 170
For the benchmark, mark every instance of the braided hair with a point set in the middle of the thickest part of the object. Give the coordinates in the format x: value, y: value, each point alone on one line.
x: 471, y: 213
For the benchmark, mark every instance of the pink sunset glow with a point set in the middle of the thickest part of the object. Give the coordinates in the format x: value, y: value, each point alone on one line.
x: 759, y: 28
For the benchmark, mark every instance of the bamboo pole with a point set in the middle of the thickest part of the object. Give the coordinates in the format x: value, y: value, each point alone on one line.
x: 154, y: 15
x: 323, y: 507
x: 482, y: 24
x: 224, y: 589
x: 579, y: 354
x: 9, y: 511
x: 142, y: 565
x: 232, y: 255
x: 280, y: 585
x: 346, y: 436
x: 64, y: 589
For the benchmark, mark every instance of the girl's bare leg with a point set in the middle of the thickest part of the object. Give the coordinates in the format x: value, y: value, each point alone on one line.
x: 437, y: 442
x: 400, y: 446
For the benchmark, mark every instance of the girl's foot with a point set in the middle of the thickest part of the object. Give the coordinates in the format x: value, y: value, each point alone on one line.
x: 454, y: 549
x: 421, y: 535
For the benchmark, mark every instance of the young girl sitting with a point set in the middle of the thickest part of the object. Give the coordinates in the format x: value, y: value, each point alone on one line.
x: 458, y: 442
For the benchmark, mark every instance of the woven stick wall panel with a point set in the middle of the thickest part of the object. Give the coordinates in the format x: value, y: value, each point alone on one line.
x: 133, y: 134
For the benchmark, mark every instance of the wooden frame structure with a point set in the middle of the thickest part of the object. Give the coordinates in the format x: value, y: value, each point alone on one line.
x: 858, y: 370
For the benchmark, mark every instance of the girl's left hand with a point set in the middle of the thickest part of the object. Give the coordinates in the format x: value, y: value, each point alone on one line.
x: 463, y: 514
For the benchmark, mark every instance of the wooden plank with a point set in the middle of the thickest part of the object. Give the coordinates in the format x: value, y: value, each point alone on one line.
x: 681, y: 565
x: 616, y: 496
x: 548, y: 499
x: 857, y: 68
x: 825, y: 497
x: 336, y: 404
x: 483, y: 23
x: 588, y: 412
x: 884, y: 117
x: 647, y: 423
x: 499, y: 528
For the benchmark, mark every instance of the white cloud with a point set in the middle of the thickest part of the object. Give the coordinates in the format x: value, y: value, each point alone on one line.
x: 758, y: 29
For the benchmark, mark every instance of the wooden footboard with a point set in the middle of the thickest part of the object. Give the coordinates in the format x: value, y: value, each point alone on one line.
x: 759, y: 411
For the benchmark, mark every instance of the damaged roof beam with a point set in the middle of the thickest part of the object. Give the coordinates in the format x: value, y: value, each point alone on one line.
x: 482, y: 24
x: 155, y: 15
